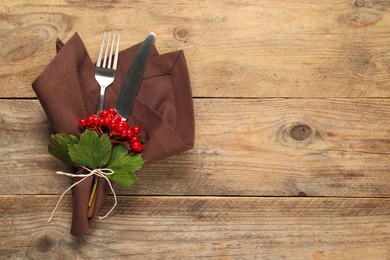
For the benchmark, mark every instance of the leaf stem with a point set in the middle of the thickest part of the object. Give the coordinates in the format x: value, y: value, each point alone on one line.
x: 93, y: 191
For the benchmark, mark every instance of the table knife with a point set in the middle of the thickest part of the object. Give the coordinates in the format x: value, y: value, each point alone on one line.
x: 125, y: 101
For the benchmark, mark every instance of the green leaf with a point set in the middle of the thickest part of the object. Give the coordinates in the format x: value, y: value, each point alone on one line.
x: 91, y: 151
x: 59, y: 146
x: 124, y: 165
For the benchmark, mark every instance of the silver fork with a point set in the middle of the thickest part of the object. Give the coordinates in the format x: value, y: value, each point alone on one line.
x: 105, y: 71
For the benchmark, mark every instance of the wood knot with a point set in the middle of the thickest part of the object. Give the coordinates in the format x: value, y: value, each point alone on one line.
x: 359, y: 3
x: 297, y: 135
x: 360, y: 18
x: 182, y: 34
x: 302, y: 194
x: 196, y: 209
x: 300, y: 132
x: 45, y: 244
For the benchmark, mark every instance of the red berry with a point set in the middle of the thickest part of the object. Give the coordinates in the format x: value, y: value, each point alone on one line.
x: 112, y: 111
x: 83, y: 122
x: 120, y: 127
x: 118, y: 118
x: 91, y: 120
x: 134, y: 139
x: 137, y: 146
x: 111, y: 123
x: 124, y: 134
x: 130, y: 133
x: 101, y: 122
x: 104, y: 113
x: 106, y: 120
x: 136, y: 129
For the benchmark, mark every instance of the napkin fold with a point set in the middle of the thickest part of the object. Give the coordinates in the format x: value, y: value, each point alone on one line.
x: 68, y: 91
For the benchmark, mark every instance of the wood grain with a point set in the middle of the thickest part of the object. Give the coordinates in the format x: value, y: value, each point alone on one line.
x: 292, y: 151
x: 234, y: 48
x: 194, y: 227
x: 267, y: 147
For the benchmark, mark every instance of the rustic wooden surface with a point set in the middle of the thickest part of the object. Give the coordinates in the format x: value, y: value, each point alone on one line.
x: 292, y: 150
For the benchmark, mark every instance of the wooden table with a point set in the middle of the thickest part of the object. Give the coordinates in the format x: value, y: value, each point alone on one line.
x: 292, y: 149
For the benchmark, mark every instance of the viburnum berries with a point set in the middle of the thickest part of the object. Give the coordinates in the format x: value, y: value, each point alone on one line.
x: 118, y: 130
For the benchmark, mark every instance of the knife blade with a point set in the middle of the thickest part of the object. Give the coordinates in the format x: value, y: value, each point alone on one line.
x: 125, y: 101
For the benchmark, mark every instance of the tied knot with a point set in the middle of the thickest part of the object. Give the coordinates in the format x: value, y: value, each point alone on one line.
x: 100, y: 172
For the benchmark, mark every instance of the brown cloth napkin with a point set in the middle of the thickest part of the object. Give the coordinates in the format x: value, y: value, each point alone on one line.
x: 68, y: 91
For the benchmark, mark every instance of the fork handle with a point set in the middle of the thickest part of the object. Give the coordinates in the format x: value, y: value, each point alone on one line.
x: 101, y: 100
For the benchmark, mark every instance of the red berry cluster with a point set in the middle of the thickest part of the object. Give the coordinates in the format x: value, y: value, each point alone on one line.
x: 118, y: 130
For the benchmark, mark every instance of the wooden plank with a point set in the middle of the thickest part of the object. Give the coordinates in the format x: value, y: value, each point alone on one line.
x: 192, y: 227
x: 234, y: 48
x: 266, y: 147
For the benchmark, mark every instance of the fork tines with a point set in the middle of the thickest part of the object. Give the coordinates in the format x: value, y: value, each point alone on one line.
x: 110, y: 41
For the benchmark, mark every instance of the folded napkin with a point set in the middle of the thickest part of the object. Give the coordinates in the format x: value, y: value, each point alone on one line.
x: 68, y: 91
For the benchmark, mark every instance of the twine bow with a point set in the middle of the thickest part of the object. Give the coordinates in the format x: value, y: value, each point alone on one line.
x: 103, y: 172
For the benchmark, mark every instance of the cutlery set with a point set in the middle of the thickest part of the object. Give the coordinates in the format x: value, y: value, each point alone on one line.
x: 105, y: 74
